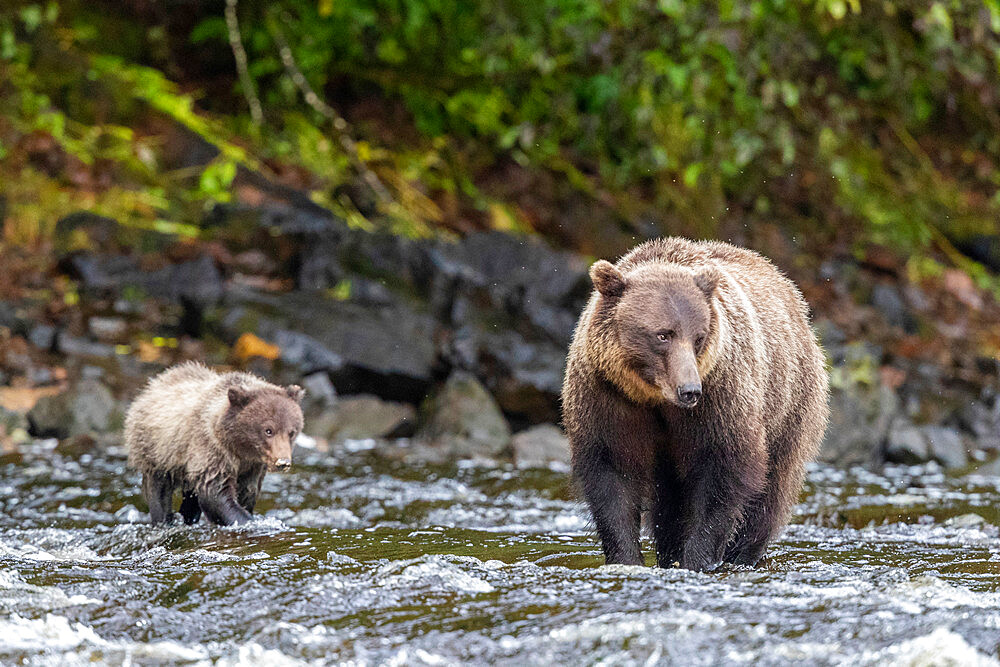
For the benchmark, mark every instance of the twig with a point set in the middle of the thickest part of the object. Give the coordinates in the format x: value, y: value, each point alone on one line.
x: 240, y: 56
x: 339, y: 124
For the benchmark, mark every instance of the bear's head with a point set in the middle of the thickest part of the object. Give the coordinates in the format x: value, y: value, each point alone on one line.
x: 262, y: 424
x: 660, y: 323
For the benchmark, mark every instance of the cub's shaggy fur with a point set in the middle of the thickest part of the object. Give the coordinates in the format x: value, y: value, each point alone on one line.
x: 214, y: 435
x: 694, y: 389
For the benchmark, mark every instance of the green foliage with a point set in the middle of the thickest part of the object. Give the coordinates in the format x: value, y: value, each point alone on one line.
x: 876, y: 120
x: 706, y: 106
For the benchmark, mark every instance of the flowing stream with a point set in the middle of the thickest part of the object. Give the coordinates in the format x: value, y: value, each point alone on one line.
x: 362, y: 560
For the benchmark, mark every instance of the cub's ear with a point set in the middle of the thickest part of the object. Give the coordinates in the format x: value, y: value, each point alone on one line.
x: 707, y: 280
x: 295, y: 392
x: 239, y: 396
x: 608, y: 280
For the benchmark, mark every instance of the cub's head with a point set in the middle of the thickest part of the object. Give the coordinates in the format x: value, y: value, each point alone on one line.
x: 661, y: 321
x: 262, y: 424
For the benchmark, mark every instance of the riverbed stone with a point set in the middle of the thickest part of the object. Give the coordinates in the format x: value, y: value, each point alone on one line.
x: 910, y: 444
x: 946, y: 446
x: 361, y: 417
x: 540, y: 446
x: 86, y: 409
x: 464, y: 421
x: 859, y: 423
x: 906, y: 444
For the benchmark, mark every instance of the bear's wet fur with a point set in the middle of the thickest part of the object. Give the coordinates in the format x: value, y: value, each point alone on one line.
x: 695, y: 390
x: 214, y: 436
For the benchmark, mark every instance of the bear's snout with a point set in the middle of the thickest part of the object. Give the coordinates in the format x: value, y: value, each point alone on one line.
x: 280, y: 456
x: 689, y: 394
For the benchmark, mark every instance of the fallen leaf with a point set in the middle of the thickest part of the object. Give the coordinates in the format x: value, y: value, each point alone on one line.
x: 249, y: 346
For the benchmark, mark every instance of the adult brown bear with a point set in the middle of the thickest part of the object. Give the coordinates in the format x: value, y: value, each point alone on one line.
x: 695, y: 389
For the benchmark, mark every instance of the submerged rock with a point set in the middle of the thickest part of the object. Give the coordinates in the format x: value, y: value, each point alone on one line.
x: 463, y: 421
x: 539, y: 446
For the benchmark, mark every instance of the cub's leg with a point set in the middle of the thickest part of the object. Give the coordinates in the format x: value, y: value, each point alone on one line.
x: 158, y: 490
x: 190, y: 508
x: 248, y: 487
x: 217, y: 500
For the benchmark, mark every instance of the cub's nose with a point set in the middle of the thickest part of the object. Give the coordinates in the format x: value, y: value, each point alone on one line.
x: 283, y: 464
x: 688, y: 394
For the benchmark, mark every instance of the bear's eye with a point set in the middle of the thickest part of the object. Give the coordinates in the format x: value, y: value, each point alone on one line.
x: 291, y: 435
x: 699, y: 342
x: 664, y: 336
x: 268, y: 432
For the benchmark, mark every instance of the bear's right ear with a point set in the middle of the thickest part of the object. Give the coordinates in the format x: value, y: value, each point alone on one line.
x: 239, y: 397
x: 295, y: 392
x: 608, y: 280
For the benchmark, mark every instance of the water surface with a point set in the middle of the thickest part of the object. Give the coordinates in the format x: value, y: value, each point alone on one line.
x: 357, y: 559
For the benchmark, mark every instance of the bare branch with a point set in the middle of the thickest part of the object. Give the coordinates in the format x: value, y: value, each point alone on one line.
x: 343, y: 130
x: 240, y: 55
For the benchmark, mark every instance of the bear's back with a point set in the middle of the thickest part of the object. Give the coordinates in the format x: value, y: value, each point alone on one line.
x: 173, y: 413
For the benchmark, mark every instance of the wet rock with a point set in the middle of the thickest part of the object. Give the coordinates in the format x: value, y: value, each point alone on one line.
x: 86, y: 409
x: 463, y: 421
x: 518, y: 276
x: 911, y: 444
x: 306, y: 352
x: 362, y: 417
x: 43, y: 337
x: 13, y: 430
x: 388, y: 350
x: 859, y: 423
x: 982, y: 421
x: 524, y: 375
x: 320, y: 393
x: 108, y: 329
x: 539, y: 446
x: 887, y: 300
x: 197, y: 282
x: 78, y: 346
x: 906, y: 444
x: 946, y: 446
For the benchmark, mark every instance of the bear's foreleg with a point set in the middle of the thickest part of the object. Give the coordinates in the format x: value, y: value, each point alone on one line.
x: 668, y: 514
x: 217, y: 500
x: 616, y: 507
x: 248, y: 487
x: 158, y: 490
x: 190, y: 509
x: 720, y: 486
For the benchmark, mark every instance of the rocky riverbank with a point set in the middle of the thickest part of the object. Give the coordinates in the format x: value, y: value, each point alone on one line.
x: 433, y: 349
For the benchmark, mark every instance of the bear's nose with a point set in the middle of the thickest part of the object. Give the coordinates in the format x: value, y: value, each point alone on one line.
x: 688, y: 394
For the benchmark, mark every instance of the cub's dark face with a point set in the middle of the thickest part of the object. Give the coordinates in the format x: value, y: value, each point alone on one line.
x: 663, y: 319
x: 263, y: 424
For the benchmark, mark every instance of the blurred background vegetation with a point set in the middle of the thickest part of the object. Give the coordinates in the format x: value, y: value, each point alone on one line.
x: 593, y: 123
x: 308, y: 163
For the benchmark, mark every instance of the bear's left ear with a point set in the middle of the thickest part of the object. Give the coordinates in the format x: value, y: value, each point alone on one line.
x: 295, y: 392
x: 239, y: 396
x: 606, y: 277
x: 707, y: 280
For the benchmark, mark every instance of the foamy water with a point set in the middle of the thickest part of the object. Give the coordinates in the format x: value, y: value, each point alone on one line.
x: 361, y: 561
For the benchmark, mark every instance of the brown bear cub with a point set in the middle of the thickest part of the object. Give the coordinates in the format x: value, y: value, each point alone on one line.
x: 694, y: 389
x: 214, y: 436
